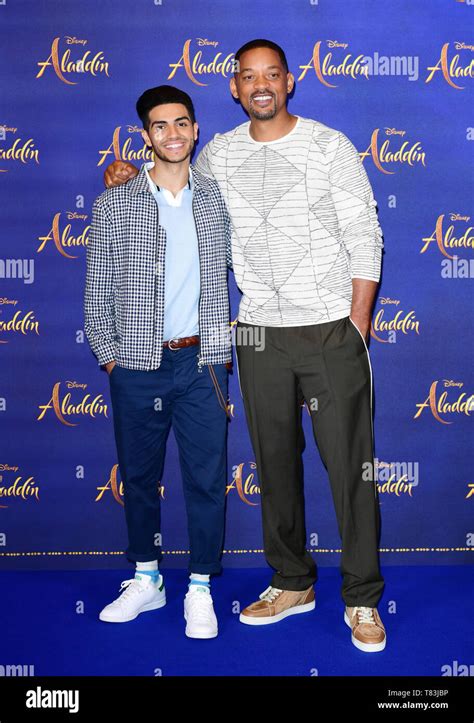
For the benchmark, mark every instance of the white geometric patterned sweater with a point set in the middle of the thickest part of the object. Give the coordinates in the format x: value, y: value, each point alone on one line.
x: 304, y: 221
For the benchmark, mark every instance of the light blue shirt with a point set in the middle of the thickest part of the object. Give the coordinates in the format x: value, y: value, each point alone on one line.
x: 182, y: 271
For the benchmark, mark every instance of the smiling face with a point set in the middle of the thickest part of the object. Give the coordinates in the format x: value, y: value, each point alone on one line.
x: 262, y: 83
x: 171, y: 132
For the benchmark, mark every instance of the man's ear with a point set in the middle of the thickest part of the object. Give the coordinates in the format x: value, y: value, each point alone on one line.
x: 233, y: 88
x: 196, y: 131
x: 146, y: 138
x: 290, y: 82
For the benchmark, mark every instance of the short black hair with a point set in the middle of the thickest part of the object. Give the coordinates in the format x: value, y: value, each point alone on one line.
x: 261, y: 43
x: 161, y: 95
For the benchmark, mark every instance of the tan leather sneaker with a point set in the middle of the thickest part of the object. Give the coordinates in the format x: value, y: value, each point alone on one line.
x: 274, y: 604
x: 368, y: 632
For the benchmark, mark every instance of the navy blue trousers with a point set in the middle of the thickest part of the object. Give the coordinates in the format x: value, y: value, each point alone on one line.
x: 145, y: 405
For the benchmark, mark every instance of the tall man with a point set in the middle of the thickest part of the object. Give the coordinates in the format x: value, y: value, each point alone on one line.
x: 306, y: 253
x: 157, y: 317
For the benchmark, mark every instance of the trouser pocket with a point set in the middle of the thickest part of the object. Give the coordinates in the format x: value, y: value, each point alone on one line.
x: 114, y: 370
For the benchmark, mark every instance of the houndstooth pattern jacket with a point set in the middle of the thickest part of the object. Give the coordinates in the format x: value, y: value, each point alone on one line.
x: 125, y: 282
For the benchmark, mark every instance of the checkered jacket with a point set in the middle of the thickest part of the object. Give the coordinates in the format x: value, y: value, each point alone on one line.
x: 125, y: 282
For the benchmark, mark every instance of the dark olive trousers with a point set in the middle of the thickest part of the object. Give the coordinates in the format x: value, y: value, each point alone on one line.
x: 328, y: 366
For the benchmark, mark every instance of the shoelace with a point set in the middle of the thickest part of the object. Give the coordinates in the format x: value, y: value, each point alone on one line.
x: 365, y: 615
x: 129, y: 589
x: 270, y: 594
x: 200, y: 605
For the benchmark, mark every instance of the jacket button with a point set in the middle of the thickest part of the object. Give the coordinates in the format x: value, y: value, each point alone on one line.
x: 159, y: 269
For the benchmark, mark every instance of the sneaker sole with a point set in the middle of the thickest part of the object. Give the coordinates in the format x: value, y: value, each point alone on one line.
x: 201, y: 636
x: 149, y: 606
x: 365, y: 647
x: 247, y: 620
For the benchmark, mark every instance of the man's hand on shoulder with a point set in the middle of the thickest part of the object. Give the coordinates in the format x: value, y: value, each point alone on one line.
x: 119, y: 172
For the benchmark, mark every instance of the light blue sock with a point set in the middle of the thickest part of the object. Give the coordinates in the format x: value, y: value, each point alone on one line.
x: 200, y: 582
x: 148, y: 568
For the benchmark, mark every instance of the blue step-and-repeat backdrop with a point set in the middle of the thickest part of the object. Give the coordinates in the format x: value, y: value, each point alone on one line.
x: 396, y: 77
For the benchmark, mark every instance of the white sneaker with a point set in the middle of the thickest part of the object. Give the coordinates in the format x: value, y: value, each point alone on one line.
x: 199, y: 614
x: 140, y: 594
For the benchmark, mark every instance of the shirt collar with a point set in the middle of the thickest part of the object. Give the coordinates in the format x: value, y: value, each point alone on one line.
x: 148, y: 166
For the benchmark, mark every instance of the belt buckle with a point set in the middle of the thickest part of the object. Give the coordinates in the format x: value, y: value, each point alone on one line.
x: 173, y: 348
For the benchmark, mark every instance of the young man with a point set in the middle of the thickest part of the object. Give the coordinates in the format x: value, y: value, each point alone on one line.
x: 157, y: 317
x: 306, y: 253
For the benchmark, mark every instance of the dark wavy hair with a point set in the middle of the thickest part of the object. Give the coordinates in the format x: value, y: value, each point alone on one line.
x: 161, y: 95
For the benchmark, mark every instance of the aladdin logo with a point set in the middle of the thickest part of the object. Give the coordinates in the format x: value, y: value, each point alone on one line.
x: 64, y: 239
x: 19, y: 488
x: 407, y: 153
x: 194, y: 65
x: 88, y: 406
x: 126, y: 153
x: 244, y: 487
x: 20, y: 322
x: 19, y: 150
x: 64, y: 65
x: 440, y: 405
x: 452, y: 68
x: 350, y: 67
x: 403, y: 321
x: 471, y: 490
x: 112, y: 485
x: 445, y: 238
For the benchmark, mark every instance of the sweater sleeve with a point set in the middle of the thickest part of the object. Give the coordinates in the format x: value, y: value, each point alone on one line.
x: 355, y: 208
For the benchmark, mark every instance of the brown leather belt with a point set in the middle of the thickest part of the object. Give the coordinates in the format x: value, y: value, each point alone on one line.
x: 185, y: 341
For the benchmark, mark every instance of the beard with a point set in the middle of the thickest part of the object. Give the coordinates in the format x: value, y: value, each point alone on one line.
x: 262, y: 114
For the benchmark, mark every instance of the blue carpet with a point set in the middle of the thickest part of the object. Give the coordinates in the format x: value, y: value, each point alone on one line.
x: 427, y: 612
